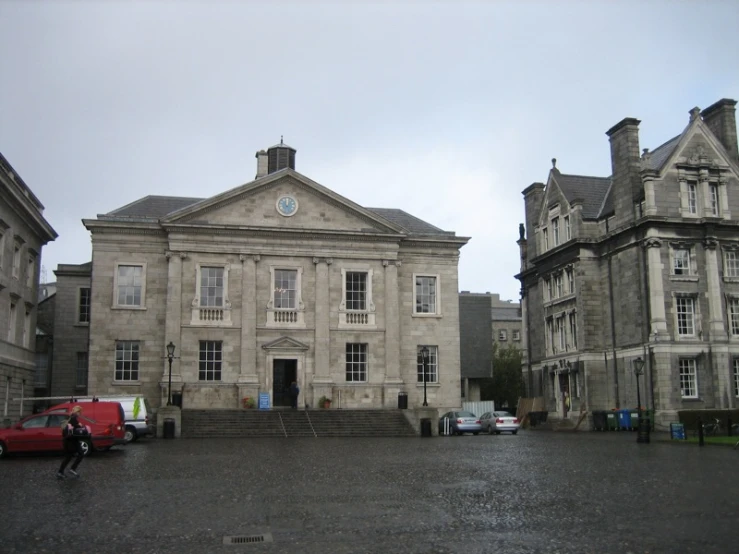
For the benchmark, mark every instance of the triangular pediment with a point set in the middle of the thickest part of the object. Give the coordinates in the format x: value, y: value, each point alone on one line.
x: 309, y: 206
x: 285, y: 343
x: 698, y: 146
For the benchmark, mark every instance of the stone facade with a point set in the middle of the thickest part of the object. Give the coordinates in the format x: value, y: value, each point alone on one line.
x: 276, y: 280
x: 23, y: 233
x: 641, y: 264
x: 506, y: 322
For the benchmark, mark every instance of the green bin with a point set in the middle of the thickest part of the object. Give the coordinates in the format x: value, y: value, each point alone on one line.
x: 612, y: 421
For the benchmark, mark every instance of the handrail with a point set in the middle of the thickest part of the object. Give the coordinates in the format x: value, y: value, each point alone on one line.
x: 282, y: 424
x: 311, y: 424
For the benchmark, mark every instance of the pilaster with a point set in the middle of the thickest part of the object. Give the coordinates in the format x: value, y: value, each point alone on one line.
x: 173, y: 325
x: 717, y: 330
x: 248, y: 374
x: 322, y: 373
x: 658, y: 322
x: 392, y: 323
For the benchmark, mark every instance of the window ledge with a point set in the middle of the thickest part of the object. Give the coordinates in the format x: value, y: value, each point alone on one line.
x: 136, y: 383
x: 428, y: 384
x: 432, y: 316
x: 78, y: 324
x: 691, y: 399
x: 731, y: 279
x: 133, y: 308
x: 692, y: 278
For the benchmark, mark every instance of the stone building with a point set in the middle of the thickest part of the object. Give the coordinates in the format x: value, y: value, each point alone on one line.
x: 476, y: 348
x: 23, y: 233
x: 277, y: 280
x: 641, y: 264
x: 506, y: 322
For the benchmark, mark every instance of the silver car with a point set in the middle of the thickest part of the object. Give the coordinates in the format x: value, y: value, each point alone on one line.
x: 458, y: 423
x: 499, y: 422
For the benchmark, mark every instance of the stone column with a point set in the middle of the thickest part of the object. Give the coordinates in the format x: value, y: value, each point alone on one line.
x: 392, y: 324
x: 658, y: 323
x: 716, y: 328
x: 322, y: 369
x: 248, y: 374
x: 173, y: 325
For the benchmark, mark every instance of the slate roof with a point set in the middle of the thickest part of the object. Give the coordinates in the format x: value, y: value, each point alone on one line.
x: 658, y: 157
x: 590, y: 190
x: 154, y: 208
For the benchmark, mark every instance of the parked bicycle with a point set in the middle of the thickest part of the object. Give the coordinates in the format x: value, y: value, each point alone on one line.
x: 710, y: 428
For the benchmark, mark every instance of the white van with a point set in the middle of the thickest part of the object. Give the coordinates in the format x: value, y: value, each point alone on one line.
x: 137, y: 414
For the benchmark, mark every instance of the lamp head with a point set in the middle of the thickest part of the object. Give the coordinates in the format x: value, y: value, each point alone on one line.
x: 638, y: 366
x: 425, y: 352
x: 170, y: 349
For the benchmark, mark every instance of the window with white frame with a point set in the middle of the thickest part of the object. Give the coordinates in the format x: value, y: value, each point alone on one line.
x: 130, y: 285
x: 516, y: 335
x: 560, y: 328
x: 573, y: 328
x: 211, y: 287
x: 548, y: 290
x: 568, y: 228
x: 502, y: 335
x: 685, y: 315
x: 356, y: 362
x: 12, y: 322
x: 432, y: 366
x: 83, y: 305
x: 356, y: 290
x: 127, y: 360
x: 734, y: 316
x: 555, y: 231
x: 688, y: 378
x: 692, y: 197
x: 736, y: 377
x: 81, y: 370
x: 356, y: 307
x: 210, y: 361
x: 713, y: 191
x: 570, y: 281
x: 731, y: 263
x: 285, y: 291
x: 558, y: 285
x: 426, y: 294
x: 681, y: 261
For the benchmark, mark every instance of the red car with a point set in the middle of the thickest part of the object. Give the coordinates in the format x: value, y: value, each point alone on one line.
x: 43, y: 432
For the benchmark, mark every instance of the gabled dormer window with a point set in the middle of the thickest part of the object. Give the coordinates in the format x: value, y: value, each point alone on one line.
x: 555, y: 231
x: 568, y: 230
x: 692, y: 197
x: 713, y: 191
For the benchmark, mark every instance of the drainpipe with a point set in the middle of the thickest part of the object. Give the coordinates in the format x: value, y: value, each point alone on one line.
x: 613, y: 330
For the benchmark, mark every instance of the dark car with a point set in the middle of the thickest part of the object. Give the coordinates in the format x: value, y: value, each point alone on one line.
x: 43, y: 433
x: 459, y: 422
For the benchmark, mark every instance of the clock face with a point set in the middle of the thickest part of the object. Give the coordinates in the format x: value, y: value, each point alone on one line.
x: 287, y: 205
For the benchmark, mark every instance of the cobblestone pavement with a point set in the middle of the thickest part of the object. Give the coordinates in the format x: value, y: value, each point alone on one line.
x: 538, y: 492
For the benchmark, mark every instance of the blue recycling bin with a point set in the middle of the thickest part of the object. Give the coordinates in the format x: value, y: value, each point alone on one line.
x: 624, y: 420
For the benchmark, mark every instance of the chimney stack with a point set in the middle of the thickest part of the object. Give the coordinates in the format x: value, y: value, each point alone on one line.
x: 720, y: 118
x: 533, y: 196
x: 261, y: 164
x: 626, y: 185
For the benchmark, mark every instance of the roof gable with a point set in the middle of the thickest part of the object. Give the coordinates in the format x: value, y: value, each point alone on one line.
x: 590, y: 191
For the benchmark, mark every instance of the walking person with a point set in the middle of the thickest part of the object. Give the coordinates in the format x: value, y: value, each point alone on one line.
x: 294, y: 392
x: 72, y: 444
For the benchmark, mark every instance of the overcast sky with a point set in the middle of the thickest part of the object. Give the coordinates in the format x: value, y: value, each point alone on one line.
x: 446, y: 110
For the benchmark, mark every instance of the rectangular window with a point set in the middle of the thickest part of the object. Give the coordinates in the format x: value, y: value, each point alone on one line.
x: 425, y: 295
x: 211, y: 360
x: 688, y: 378
x: 81, y: 373
x: 731, y: 263
x: 736, y: 377
x: 573, y: 329
x: 211, y: 287
x: 516, y: 335
x: 356, y: 362
x: 558, y: 285
x: 126, y: 360
x: 42, y: 368
x: 502, y: 335
x: 550, y: 335
x: 30, y: 271
x: 26, y: 342
x: 12, y: 322
x: 692, y: 197
x: 568, y: 229
x: 561, y: 333
x: 545, y: 238
x: 130, y: 282
x: 713, y: 189
x: 550, y: 290
x: 681, y: 261
x: 555, y: 231
x: 356, y: 290
x: 734, y: 316
x: 570, y: 281
x: 16, y: 260
x: 685, y: 316
x: 286, y: 293
x: 83, y: 315
x: 432, y: 365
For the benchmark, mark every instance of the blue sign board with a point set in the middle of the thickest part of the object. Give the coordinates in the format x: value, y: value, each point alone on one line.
x: 677, y: 431
x: 264, y: 401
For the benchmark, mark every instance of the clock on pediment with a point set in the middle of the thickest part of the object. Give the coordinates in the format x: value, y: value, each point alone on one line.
x: 287, y: 205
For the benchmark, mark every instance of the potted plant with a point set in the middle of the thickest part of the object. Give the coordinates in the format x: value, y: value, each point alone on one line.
x: 248, y: 402
x: 324, y: 402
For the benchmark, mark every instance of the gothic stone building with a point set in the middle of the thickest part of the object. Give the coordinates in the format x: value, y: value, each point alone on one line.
x: 277, y: 280
x: 23, y: 233
x: 641, y: 264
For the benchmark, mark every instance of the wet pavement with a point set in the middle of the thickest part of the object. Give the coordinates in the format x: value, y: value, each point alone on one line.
x: 538, y: 492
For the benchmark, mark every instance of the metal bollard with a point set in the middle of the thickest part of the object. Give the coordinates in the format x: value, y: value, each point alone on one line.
x: 700, y: 432
x: 728, y: 426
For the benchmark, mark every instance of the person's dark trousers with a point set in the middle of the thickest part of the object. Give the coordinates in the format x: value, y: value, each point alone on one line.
x: 71, y: 447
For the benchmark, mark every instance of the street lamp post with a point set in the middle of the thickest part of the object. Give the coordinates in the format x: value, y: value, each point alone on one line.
x: 425, y: 362
x: 642, y: 433
x: 170, y: 357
